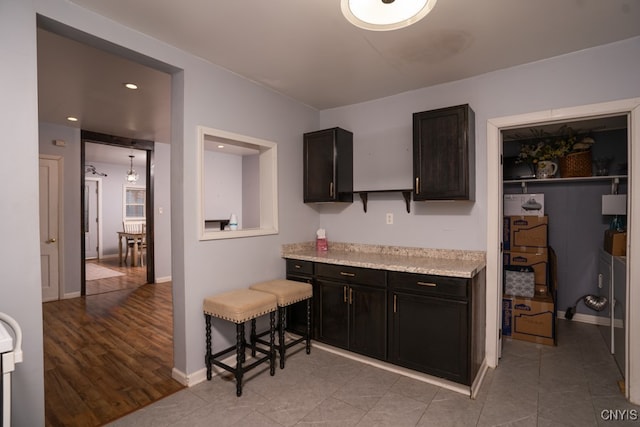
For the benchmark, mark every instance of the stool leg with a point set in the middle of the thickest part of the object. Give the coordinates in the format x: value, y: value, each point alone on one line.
x: 207, y: 356
x: 282, y: 320
x: 253, y: 337
x: 239, y: 357
x: 272, y: 350
x: 308, y: 337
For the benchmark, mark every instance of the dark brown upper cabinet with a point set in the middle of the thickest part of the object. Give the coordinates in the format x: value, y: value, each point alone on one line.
x: 328, y: 166
x: 444, y: 154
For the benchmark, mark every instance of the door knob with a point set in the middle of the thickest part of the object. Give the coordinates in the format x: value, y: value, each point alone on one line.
x: 52, y: 240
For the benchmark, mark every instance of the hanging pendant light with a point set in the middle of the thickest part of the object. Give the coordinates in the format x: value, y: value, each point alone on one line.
x: 384, y: 15
x: 132, y: 175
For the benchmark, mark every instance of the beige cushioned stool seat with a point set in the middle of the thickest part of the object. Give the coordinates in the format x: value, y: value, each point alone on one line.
x: 287, y: 291
x: 240, y: 305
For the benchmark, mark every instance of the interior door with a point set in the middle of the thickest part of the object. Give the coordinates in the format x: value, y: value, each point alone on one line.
x: 49, y: 228
x: 91, y: 219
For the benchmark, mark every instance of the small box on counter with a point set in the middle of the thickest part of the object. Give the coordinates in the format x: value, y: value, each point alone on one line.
x: 537, y: 258
x: 523, y: 204
x: 525, y: 231
x: 530, y: 319
x: 615, y: 242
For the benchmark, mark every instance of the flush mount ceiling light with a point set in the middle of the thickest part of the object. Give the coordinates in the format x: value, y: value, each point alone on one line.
x: 131, y: 86
x: 72, y: 119
x: 385, y: 15
x: 132, y: 175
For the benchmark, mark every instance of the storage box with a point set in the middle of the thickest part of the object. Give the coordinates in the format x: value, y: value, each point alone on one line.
x: 537, y: 258
x: 507, y: 316
x: 523, y: 204
x: 615, y: 242
x: 519, y: 281
x: 522, y: 231
x: 532, y: 319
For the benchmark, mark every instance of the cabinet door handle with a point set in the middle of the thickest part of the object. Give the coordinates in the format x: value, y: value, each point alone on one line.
x: 429, y: 284
x: 344, y: 293
x: 297, y: 266
x: 344, y: 273
x: 395, y: 303
x: 331, y: 189
x: 417, y: 185
x: 350, y: 296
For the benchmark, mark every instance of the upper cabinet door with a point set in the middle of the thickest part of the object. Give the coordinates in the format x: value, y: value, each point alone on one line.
x: 444, y: 154
x: 328, y: 166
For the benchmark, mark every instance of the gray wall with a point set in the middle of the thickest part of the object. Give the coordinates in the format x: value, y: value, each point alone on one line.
x: 382, y: 146
x: 204, y: 94
x: 20, y: 291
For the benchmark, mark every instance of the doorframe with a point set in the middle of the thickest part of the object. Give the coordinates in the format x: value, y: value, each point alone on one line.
x: 631, y: 107
x: 98, y: 213
x: 61, y: 250
x: 134, y: 144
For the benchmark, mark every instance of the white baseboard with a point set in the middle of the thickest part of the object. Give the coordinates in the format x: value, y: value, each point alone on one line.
x: 201, y: 375
x: 163, y: 279
x: 70, y: 295
x: 592, y: 320
x: 477, y: 383
x: 585, y: 318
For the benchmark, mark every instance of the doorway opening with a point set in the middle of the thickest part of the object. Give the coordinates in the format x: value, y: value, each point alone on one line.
x: 495, y: 127
x: 114, y: 256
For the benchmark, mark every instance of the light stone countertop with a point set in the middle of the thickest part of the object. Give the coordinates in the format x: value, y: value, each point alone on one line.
x: 440, y: 262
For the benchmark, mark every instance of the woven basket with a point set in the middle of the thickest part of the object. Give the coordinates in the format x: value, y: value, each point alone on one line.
x: 576, y: 164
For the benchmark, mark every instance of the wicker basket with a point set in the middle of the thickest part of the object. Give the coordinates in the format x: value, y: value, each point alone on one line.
x: 576, y: 164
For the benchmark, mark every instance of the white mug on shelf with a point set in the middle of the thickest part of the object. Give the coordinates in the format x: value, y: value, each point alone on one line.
x: 546, y: 169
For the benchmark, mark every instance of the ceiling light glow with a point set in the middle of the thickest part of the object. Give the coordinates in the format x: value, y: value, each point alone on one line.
x: 385, y: 15
x: 131, y: 86
x: 72, y: 119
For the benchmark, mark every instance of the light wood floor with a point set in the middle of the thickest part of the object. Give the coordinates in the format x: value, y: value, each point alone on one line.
x: 107, y: 355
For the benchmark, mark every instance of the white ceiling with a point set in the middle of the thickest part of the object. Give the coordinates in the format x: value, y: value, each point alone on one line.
x: 309, y: 52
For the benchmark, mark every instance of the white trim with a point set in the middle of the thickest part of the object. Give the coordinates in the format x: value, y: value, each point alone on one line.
x: 71, y: 295
x: 199, y: 376
x: 587, y: 318
x: 163, y: 279
x: 126, y: 187
x: 268, y: 184
x: 494, y: 223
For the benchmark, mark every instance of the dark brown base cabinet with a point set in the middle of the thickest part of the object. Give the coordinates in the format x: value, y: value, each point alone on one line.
x: 431, y: 324
x: 352, y: 309
x: 434, y: 325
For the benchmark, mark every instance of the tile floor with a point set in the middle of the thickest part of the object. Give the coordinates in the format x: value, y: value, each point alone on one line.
x: 535, y: 385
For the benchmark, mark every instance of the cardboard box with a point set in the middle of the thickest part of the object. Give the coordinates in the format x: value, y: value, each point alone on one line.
x: 615, y: 242
x: 537, y: 258
x: 525, y: 231
x: 507, y: 316
x: 532, y: 319
x: 523, y: 204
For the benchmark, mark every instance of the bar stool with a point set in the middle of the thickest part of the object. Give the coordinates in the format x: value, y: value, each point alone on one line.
x: 238, y: 307
x: 287, y: 292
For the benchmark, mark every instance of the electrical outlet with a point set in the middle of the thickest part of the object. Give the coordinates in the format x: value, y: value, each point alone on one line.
x: 389, y: 218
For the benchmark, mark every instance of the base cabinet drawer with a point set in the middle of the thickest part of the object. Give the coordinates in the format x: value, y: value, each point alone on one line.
x: 430, y: 335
